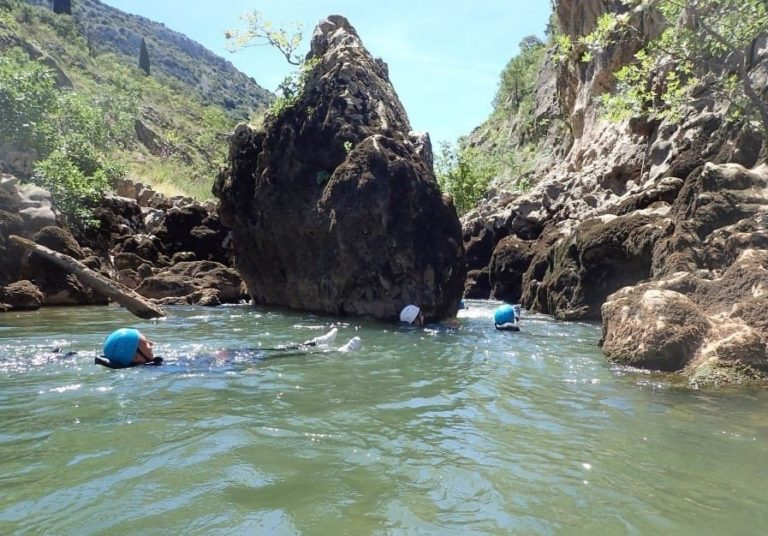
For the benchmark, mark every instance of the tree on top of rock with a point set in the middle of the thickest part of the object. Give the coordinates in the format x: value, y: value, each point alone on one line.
x: 144, y: 57
x: 62, y: 6
x: 259, y: 32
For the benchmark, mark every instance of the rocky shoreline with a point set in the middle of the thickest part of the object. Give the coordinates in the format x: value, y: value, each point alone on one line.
x: 170, y: 250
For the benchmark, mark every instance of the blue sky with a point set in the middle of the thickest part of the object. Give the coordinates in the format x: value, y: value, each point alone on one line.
x: 444, y: 57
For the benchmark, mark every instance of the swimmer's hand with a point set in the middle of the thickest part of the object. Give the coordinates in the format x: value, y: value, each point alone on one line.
x: 323, y: 340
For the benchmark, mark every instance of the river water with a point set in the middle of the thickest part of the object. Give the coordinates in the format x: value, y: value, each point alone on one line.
x: 467, y: 431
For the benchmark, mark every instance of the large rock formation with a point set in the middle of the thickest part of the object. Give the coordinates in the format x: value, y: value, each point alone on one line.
x: 334, y: 206
x: 620, y: 210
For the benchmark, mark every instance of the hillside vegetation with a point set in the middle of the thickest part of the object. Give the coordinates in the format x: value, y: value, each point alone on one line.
x: 176, y: 60
x: 88, y: 118
x: 501, y: 151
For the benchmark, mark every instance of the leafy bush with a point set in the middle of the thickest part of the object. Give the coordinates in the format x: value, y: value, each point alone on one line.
x: 71, y: 187
x: 704, y: 43
x: 27, y: 94
x: 465, y: 173
x: 72, y: 134
x: 291, y: 88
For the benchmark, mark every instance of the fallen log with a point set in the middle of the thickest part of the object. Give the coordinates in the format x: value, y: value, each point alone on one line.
x: 112, y: 289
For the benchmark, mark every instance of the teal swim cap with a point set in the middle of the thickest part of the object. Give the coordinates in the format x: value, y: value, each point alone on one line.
x: 121, y: 346
x: 504, y: 314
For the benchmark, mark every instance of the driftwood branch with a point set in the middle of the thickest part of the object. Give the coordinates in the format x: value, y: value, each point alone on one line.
x: 117, y: 292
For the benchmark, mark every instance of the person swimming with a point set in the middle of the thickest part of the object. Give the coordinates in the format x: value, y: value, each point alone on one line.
x: 507, y: 317
x: 411, y: 315
x: 127, y: 347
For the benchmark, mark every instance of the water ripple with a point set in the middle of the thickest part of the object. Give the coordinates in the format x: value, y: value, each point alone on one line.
x: 440, y: 431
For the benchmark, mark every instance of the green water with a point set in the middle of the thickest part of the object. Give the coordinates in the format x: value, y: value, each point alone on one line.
x: 419, y: 432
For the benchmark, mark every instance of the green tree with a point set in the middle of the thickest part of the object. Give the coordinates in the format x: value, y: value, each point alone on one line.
x: 144, y: 57
x: 62, y: 7
x: 518, y: 80
x: 259, y: 32
x: 8, y: 5
x: 27, y: 94
x: 704, y: 44
x: 465, y: 173
x: 73, y: 134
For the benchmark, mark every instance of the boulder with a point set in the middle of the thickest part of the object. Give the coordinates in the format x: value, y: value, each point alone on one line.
x: 24, y: 210
x: 573, y: 277
x: 478, y: 285
x: 117, y: 217
x: 20, y: 296
x: 149, y: 138
x: 333, y: 207
x: 58, y: 286
x: 192, y: 228
x: 509, y: 262
x: 712, y: 330
x: 652, y: 328
x: 716, y: 196
x: 140, y: 248
x: 186, y: 282
x: 36, y: 208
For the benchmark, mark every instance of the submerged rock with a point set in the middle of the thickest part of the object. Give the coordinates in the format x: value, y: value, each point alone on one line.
x: 334, y: 207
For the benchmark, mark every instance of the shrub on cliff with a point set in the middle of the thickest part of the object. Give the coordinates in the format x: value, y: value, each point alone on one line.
x: 518, y: 79
x: 704, y: 45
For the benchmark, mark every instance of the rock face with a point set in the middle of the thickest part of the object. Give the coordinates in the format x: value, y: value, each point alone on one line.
x: 334, y: 206
x: 642, y: 224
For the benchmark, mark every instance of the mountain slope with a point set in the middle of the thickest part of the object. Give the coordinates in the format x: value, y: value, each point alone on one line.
x: 174, y: 57
x: 155, y: 128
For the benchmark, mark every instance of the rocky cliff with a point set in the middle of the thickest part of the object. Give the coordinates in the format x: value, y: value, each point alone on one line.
x: 651, y: 226
x: 334, y: 206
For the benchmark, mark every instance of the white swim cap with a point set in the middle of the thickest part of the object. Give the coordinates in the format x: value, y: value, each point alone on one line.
x: 409, y: 314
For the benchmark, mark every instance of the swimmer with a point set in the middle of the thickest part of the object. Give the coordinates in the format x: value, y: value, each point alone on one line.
x: 507, y: 318
x: 127, y: 347
x: 411, y: 315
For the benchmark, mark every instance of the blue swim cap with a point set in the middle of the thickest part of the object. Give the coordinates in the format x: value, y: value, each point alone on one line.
x: 121, y: 346
x: 504, y: 314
